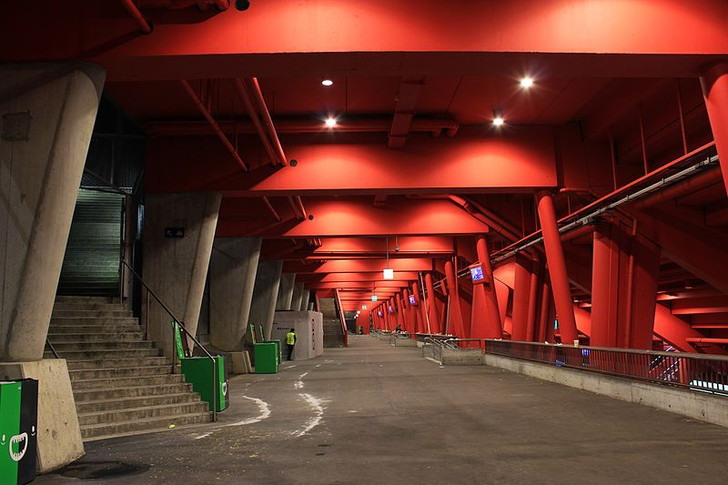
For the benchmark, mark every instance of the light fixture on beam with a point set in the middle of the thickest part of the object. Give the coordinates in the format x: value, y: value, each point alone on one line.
x: 388, y: 273
x: 375, y: 297
x: 330, y: 122
x: 363, y: 307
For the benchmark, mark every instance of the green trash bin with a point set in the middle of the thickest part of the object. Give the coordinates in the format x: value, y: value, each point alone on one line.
x: 266, y: 358
x: 279, y: 349
x: 18, y: 430
x: 198, y: 372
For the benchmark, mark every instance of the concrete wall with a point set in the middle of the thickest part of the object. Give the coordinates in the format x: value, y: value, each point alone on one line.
x: 176, y: 268
x: 59, y: 434
x: 701, y: 406
x: 233, y: 267
x: 265, y: 294
x: 48, y: 114
x: 285, y: 291
x: 309, y: 332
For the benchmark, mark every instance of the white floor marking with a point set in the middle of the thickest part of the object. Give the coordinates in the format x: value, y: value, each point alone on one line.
x: 262, y: 407
x: 317, y: 405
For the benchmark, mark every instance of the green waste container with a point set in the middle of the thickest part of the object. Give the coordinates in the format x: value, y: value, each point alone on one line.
x: 198, y: 372
x: 18, y: 430
x: 266, y: 358
x: 279, y: 349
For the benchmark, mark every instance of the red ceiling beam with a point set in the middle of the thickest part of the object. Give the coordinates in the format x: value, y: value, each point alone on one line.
x: 346, y: 217
x: 381, y: 286
x: 361, y: 266
x: 211, y: 120
x: 404, y: 110
x: 372, y: 278
x: 419, y: 245
x: 144, y: 26
x: 515, y: 160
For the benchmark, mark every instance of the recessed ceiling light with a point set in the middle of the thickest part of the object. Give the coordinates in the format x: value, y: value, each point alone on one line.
x: 526, y: 82
x: 498, y: 121
x: 330, y: 122
x: 327, y: 82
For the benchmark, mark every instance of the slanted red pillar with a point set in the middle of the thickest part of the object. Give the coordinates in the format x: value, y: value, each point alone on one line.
x: 606, y: 266
x: 456, y: 315
x: 485, y: 320
x: 521, y: 294
x: 557, y: 269
x: 431, y: 305
x: 715, y: 92
x: 419, y: 309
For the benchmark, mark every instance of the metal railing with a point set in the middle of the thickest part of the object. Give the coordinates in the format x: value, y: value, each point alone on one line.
x: 185, y: 333
x: 53, y: 350
x: 700, y: 372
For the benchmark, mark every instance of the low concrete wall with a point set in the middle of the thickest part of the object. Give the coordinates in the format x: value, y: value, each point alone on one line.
x: 59, y: 434
x: 402, y: 342
x: 697, y: 405
x: 462, y: 357
x: 432, y: 352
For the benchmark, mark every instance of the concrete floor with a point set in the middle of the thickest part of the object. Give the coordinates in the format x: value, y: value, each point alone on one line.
x: 378, y: 414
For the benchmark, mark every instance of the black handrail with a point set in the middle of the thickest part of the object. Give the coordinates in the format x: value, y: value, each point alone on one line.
x: 186, y: 333
x: 53, y: 350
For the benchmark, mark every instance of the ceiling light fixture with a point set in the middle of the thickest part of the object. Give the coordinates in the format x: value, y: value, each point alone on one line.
x: 526, y: 82
x: 388, y: 273
x: 327, y: 82
x: 498, y: 121
x: 330, y: 122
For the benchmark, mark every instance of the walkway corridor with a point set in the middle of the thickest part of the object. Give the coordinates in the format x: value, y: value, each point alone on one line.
x: 375, y: 414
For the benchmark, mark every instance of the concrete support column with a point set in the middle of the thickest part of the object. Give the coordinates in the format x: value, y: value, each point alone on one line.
x: 48, y: 114
x: 557, y: 268
x: 297, y: 296
x: 456, y: 316
x: 233, y: 269
x: 715, y: 91
x: 176, y: 268
x: 420, y: 312
x: 486, y: 321
x: 431, y: 304
x: 521, y: 294
x: 285, y: 291
x: 305, y: 296
x: 265, y: 294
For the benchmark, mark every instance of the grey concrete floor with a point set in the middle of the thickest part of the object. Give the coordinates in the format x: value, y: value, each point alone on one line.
x: 376, y: 414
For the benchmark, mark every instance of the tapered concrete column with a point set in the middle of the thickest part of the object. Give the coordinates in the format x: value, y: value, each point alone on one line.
x: 285, y: 291
x: 486, y: 321
x: 521, y: 294
x: 297, y: 296
x: 233, y: 269
x: 456, y: 316
x: 265, y: 295
x: 176, y: 268
x: 431, y: 304
x: 305, y: 296
x: 557, y: 269
x: 715, y: 92
x: 46, y: 129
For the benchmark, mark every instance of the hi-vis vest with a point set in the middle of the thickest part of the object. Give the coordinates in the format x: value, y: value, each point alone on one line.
x: 291, y: 338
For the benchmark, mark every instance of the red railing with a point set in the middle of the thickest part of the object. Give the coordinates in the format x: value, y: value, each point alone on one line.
x: 690, y: 371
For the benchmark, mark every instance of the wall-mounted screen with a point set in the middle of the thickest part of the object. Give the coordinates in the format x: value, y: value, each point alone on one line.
x: 476, y: 274
x: 412, y: 300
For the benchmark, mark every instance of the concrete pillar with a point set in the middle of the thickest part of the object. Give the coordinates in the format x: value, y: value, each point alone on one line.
x: 715, y: 92
x: 456, y: 326
x: 48, y: 114
x: 297, y: 296
x: 176, y: 268
x: 233, y: 268
x: 285, y: 291
x: 265, y: 294
x: 486, y: 321
x: 305, y: 296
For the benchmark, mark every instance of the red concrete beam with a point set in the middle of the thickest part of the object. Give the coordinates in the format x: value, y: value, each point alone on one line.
x: 373, y: 278
x: 360, y: 266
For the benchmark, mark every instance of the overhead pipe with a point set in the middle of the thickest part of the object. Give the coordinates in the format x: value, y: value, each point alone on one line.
x: 267, y: 121
x: 144, y: 26
x: 272, y: 209
x: 706, y: 340
x: 587, y: 214
x: 708, y: 177
x: 253, y: 114
x: 215, y: 126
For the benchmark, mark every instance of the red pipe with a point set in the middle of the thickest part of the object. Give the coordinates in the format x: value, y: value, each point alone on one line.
x: 256, y: 120
x: 215, y: 126
x: 700, y: 181
x: 272, y: 209
x: 221, y: 5
x: 707, y: 340
x: 144, y: 26
x: 267, y: 121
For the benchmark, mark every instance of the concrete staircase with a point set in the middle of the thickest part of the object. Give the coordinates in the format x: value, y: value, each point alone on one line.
x: 121, y: 382
x: 333, y: 336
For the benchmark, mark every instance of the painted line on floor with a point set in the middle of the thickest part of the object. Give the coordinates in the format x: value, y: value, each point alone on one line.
x: 318, y: 407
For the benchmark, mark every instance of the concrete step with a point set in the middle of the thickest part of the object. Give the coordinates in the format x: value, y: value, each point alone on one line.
x: 86, y: 299
x: 101, y: 346
x: 84, y: 395
x: 116, y: 382
x: 95, y: 337
x: 92, y: 314
x: 109, y: 363
x: 88, y: 329
x: 113, y: 354
x: 88, y: 407
x: 113, y: 430
x: 141, y: 413
x: 91, y: 306
x: 114, y: 372
x: 100, y: 321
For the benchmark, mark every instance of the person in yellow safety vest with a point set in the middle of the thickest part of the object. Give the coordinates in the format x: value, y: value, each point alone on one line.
x: 291, y: 342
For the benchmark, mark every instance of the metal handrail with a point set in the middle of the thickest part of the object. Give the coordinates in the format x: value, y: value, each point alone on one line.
x: 53, y: 350
x: 701, y: 372
x: 186, y: 333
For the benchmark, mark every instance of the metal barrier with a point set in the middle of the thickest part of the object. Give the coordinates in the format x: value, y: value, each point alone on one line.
x: 699, y: 372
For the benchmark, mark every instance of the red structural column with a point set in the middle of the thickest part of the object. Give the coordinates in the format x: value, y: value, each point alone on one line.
x: 715, y: 92
x: 557, y: 268
x: 456, y: 316
x: 485, y: 321
x: 605, y: 287
x: 533, y: 302
x: 419, y: 309
x: 431, y: 305
x: 521, y: 293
